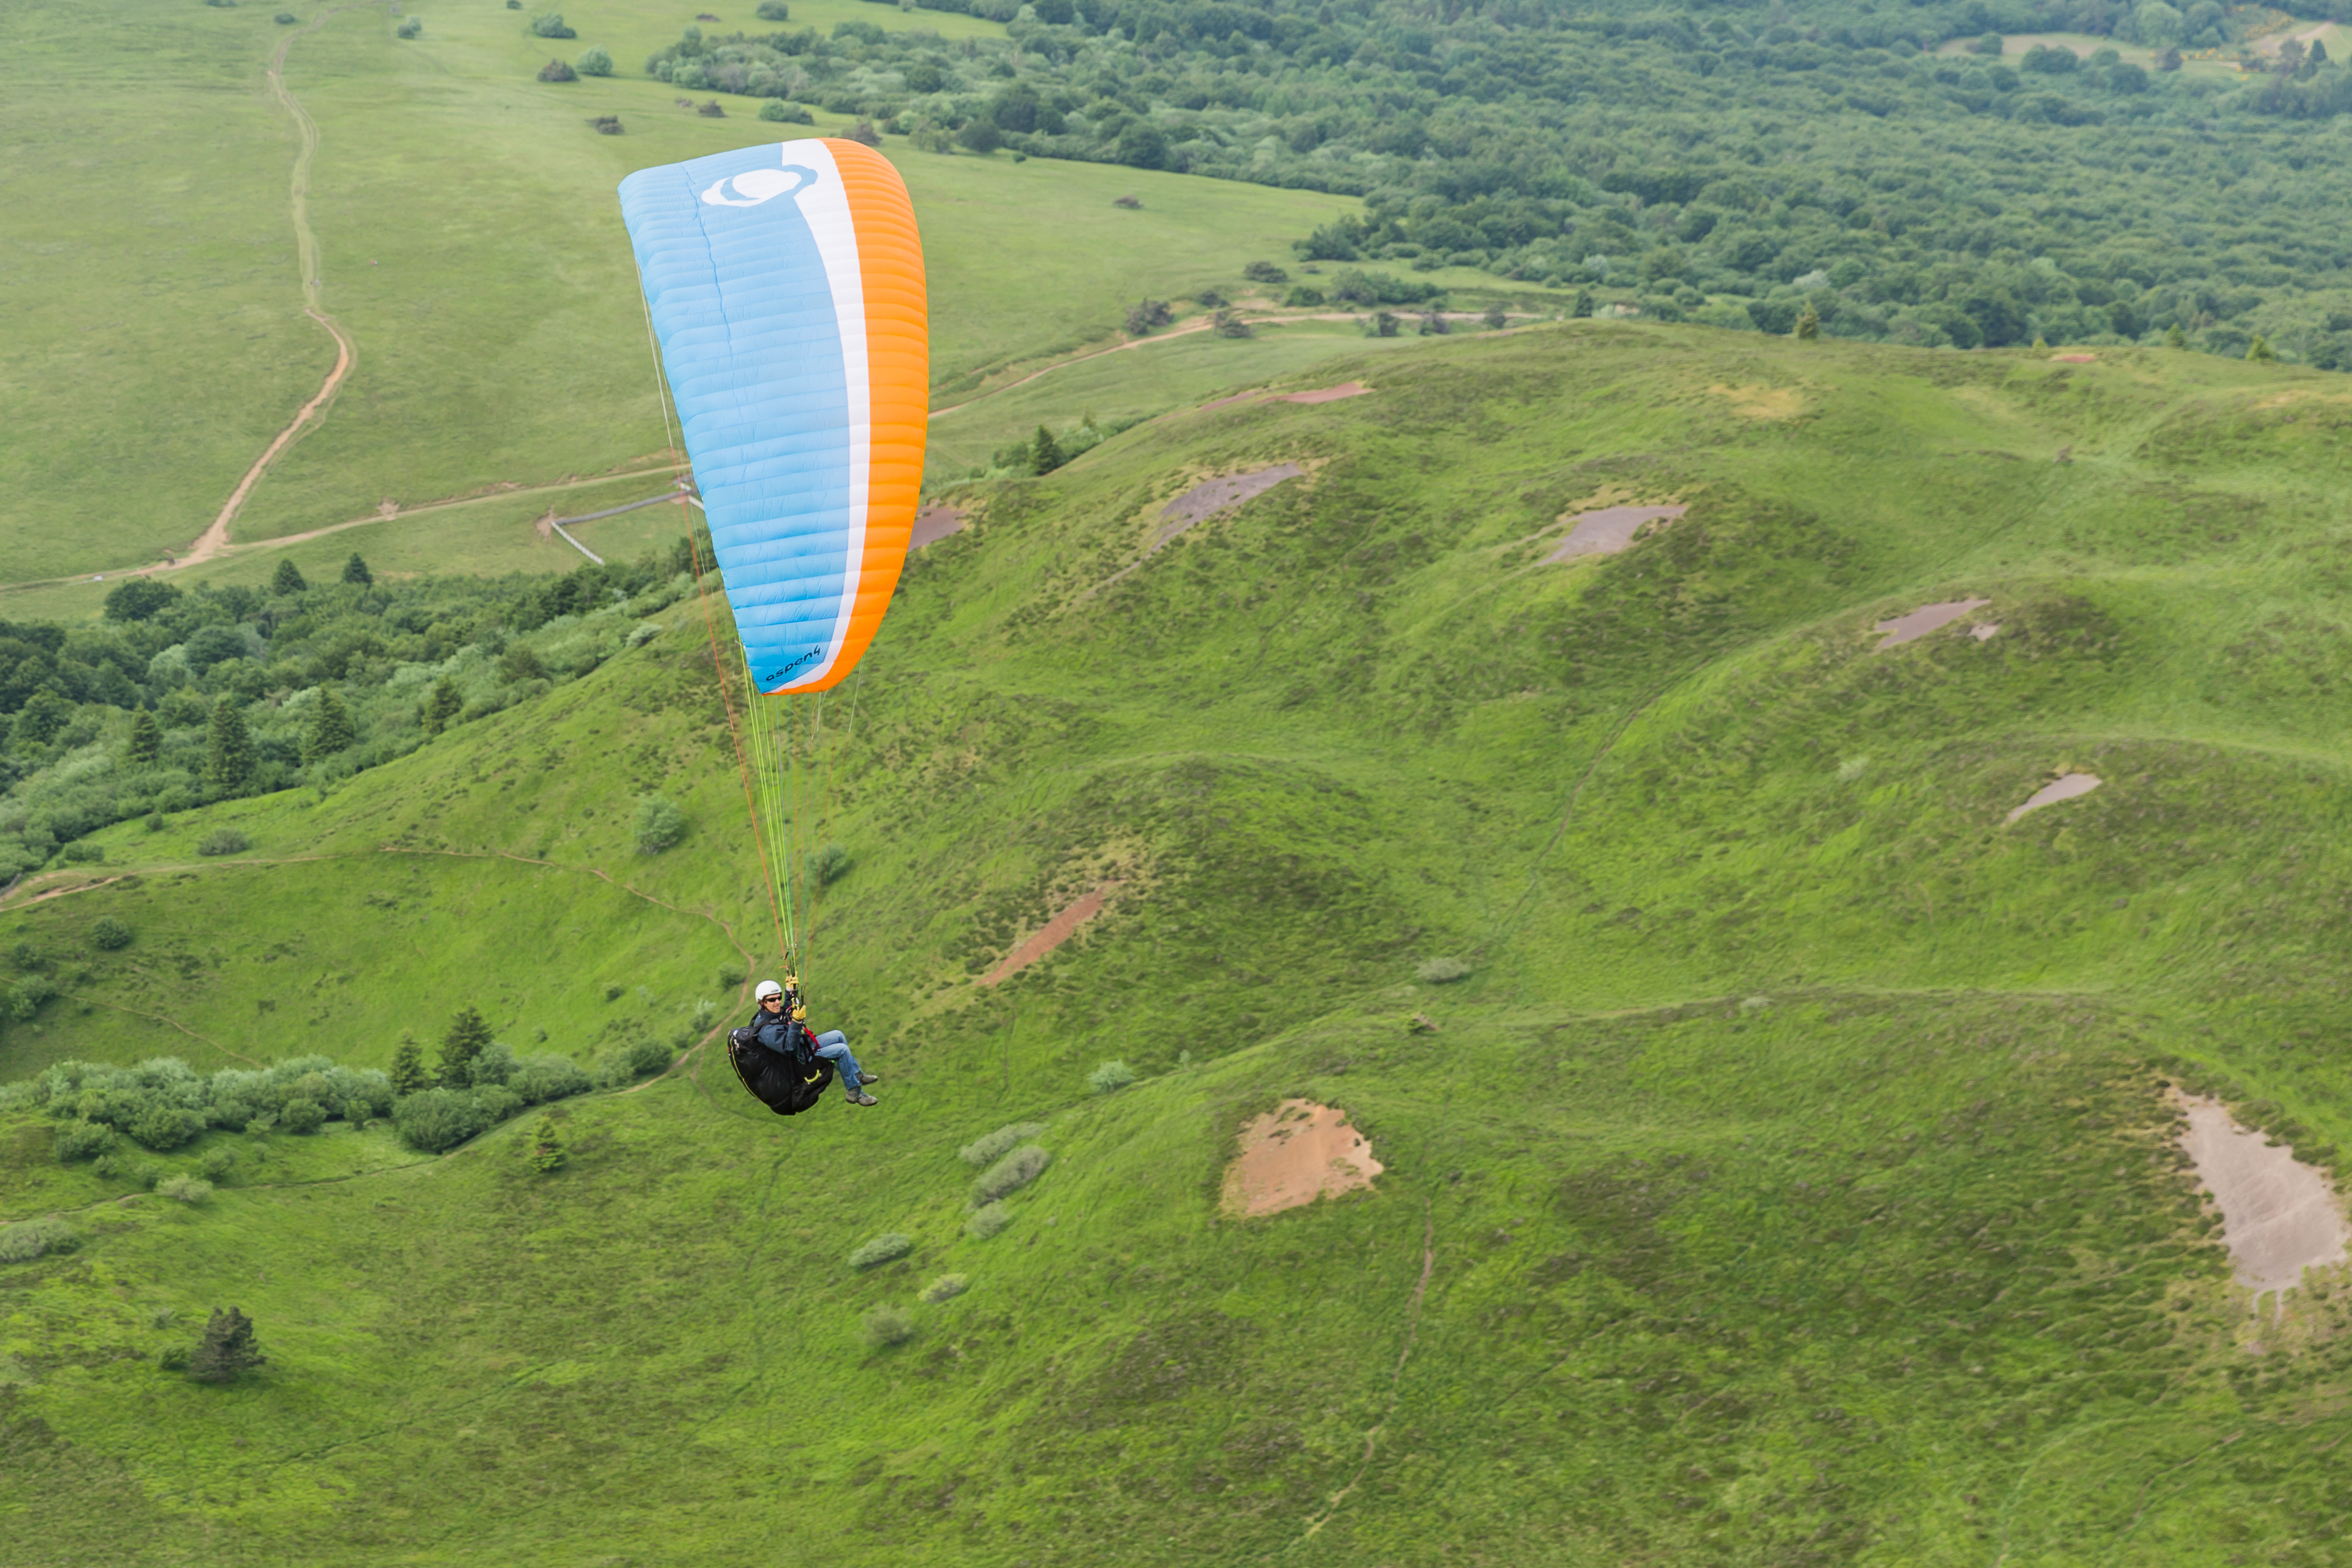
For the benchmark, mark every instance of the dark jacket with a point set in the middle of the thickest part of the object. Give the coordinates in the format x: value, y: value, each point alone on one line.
x: 784, y: 1035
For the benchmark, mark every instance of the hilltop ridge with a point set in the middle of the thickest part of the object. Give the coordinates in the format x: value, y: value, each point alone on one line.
x: 1777, y: 1157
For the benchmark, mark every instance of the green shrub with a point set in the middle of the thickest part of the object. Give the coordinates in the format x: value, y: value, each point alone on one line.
x: 302, y: 1117
x: 994, y: 1145
x: 223, y: 841
x: 438, y: 1120
x: 29, y: 1239
x: 184, y: 1188
x: 777, y: 109
x: 164, y: 1128
x: 886, y: 1326
x: 83, y: 1141
x: 541, y: 1078
x: 109, y: 933
x: 594, y: 60
x: 772, y: 11
x: 987, y: 1221
x: 831, y: 865
x: 410, y: 28
x: 1442, y: 971
x: 883, y: 1248
x: 659, y: 824
x: 1110, y: 1078
x: 549, y: 24
x: 946, y: 1288
x: 1011, y: 1174
x: 627, y: 1064
x: 82, y: 852
x: 216, y: 1164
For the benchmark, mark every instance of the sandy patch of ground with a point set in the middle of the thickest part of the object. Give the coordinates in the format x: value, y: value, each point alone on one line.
x: 1211, y: 497
x: 1611, y: 529
x: 1985, y: 633
x: 1051, y: 935
x: 1762, y: 401
x: 2066, y: 786
x: 1292, y: 1156
x: 1327, y: 393
x: 2279, y: 1216
x: 2073, y: 359
x: 1923, y: 620
x: 934, y: 524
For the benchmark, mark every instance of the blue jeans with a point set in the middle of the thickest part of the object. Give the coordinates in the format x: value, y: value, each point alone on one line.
x: 834, y: 1045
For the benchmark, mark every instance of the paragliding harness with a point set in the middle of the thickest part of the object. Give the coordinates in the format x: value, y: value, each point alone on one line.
x: 786, y: 1083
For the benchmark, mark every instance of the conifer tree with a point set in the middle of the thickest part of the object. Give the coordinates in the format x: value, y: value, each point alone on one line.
x: 468, y: 1033
x: 545, y: 1150
x: 1809, y: 325
x: 228, y: 751
x: 227, y: 1350
x: 287, y: 578
x: 2174, y: 338
x: 442, y: 706
x: 356, y: 572
x: 408, y: 1073
x: 1583, y: 306
x: 2260, y: 349
x: 1044, y: 453
x: 146, y: 738
x: 331, y: 727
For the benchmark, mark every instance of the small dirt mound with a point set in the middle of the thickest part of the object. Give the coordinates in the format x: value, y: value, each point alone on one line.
x: 2066, y: 786
x: 1609, y: 529
x: 1051, y: 935
x: 934, y: 524
x: 1923, y: 620
x: 2279, y: 1216
x: 1294, y: 1155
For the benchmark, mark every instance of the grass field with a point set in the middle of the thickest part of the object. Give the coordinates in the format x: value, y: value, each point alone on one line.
x: 470, y: 244
x: 1788, y: 1182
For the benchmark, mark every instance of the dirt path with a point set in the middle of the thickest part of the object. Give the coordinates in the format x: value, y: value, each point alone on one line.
x: 213, y: 539
x: 1203, y: 325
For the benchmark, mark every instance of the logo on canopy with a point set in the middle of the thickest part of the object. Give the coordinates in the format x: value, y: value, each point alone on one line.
x: 755, y: 187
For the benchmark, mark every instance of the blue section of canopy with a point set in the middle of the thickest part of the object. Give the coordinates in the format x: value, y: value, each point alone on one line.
x: 749, y: 338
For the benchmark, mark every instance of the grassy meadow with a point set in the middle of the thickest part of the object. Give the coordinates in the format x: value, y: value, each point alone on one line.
x: 471, y: 245
x: 1789, y: 1180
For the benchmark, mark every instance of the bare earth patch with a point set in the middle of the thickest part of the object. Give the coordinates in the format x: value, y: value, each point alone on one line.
x: 934, y: 524
x: 2279, y: 1216
x: 1923, y: 620
x: 1762, y: 401
x: 2066, y: 786
x: 1293, y: 1155
x: 2074, y: 359
x: 1051, y: 935
x: 1211, y: 497
x: 1327, y: 393
x: 1986, y: 632
x: 1611, y: 529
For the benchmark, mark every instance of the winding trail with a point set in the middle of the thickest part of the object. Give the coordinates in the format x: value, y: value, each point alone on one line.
x: 213, y: 539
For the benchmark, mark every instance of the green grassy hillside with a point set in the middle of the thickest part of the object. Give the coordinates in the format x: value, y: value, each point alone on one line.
x: 1789, y: 1180
x: 470, y: 243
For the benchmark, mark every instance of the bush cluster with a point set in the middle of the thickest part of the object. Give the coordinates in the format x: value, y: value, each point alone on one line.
x: 995, y: 1145
x: 164, y: 1104
x: 883, y: 1248
x: 1110, y: 1078
x: 1010, y: 1174
x: 32, y: 1238
x: 987, y: 1220
x: 180, y: 697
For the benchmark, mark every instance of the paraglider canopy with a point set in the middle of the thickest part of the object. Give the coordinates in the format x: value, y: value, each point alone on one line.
x: 785, y: 286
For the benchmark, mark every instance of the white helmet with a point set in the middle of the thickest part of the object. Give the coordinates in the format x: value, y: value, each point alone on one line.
x: 766, y: 989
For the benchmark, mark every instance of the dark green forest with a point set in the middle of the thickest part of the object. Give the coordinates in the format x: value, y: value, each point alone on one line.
x: 179, y: 697
x: 1724, y: 164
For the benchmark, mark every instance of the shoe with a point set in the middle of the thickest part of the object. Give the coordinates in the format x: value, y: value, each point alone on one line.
x: 864, y: 1077
x: 861, y: 1098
